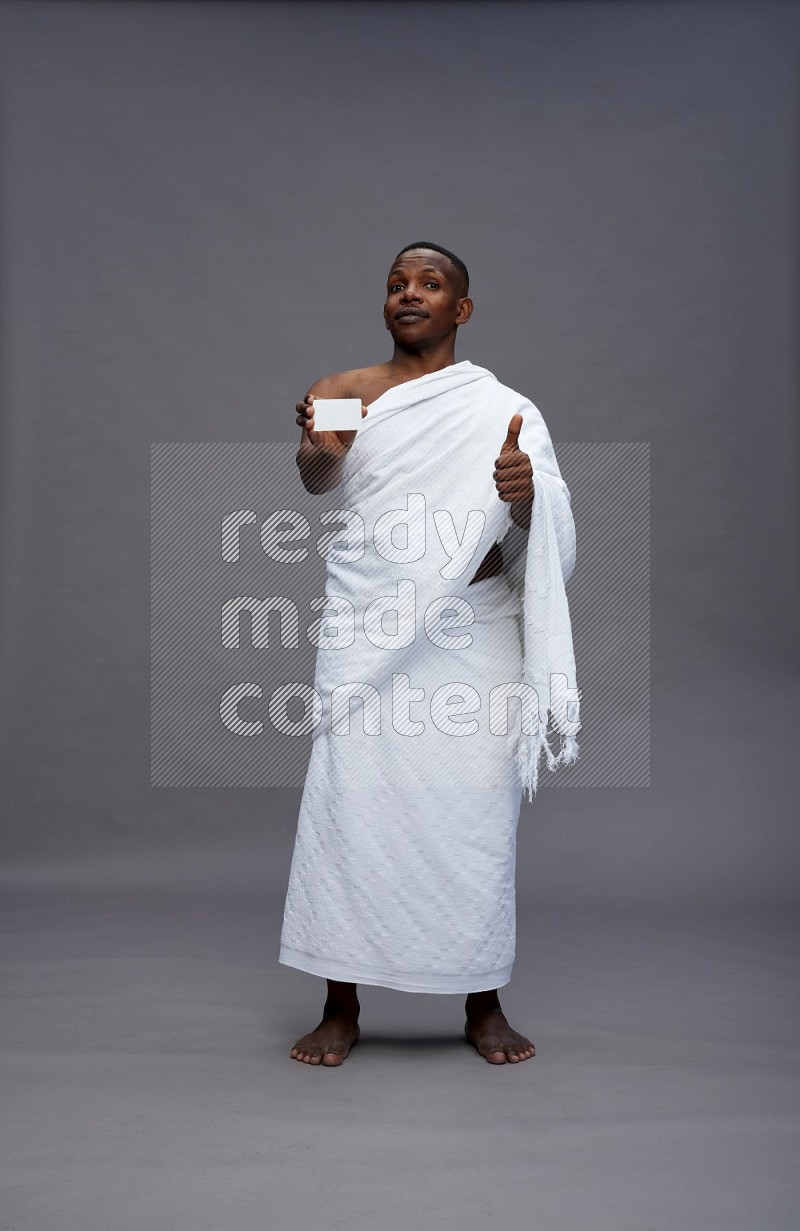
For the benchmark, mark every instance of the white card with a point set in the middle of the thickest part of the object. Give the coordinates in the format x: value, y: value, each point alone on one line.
x: 337, y: 414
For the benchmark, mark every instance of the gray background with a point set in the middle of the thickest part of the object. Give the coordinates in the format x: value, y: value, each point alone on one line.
x: 199, y: 205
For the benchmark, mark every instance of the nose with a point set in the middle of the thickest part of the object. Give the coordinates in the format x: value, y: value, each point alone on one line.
x: 409, y: 294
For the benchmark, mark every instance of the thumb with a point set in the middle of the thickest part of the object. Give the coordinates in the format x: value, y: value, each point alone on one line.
x: 512, y: 436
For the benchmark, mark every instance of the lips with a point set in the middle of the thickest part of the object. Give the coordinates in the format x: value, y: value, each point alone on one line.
x: 410, y: 314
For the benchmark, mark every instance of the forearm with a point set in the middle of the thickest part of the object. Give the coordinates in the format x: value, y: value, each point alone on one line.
x: 319, y: 472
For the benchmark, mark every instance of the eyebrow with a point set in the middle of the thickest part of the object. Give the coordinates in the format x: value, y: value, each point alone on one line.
x: 426, y: 269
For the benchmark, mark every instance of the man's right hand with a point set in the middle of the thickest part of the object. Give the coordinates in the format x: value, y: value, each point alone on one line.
x: 332, y: 444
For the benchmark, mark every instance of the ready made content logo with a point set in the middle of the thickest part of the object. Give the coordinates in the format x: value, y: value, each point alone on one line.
x: 240, y: 554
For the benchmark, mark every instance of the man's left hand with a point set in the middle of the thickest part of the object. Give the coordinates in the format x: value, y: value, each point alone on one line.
x: 513, y: 475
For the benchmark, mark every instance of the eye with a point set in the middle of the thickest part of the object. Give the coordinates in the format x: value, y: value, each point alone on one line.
x: 395, y: 286
x: 433, y: 284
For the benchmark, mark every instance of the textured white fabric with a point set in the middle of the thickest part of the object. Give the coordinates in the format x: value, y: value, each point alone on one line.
x: 404, y: 861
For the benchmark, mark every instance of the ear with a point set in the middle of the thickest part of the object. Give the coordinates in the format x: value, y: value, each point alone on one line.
x: 465, y: 309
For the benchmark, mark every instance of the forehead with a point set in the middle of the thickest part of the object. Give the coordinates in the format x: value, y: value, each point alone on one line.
x: 422, y: 260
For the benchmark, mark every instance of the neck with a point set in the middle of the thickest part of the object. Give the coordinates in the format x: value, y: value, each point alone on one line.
x: 409, y: 364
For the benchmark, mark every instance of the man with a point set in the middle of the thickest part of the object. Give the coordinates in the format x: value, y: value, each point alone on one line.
x: 396, y: 880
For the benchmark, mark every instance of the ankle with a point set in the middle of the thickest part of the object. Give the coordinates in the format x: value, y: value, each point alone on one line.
x: 341, y: 1006
x: 342, y: 999
x: 482, y: 1002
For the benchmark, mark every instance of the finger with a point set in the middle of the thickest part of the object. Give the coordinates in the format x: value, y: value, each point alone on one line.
x: 516, y: 491
x: 521, y: 482
x: 364, y: 410
x: 509, y: 478
x: 517, y: 474
x: 513, y: 461
x: 512, y: 435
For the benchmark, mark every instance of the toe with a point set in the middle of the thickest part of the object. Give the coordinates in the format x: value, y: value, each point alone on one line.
x: 331, y: 1058
x: 496, y: 1055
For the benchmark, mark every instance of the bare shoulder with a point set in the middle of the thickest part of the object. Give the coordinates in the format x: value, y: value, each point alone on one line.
x: 364, y: 383
x: 328, y: 386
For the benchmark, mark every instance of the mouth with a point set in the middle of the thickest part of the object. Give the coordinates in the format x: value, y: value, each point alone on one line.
x: 410, y: 314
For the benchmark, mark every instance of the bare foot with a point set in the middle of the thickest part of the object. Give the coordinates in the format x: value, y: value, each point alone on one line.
x: 329, y: 1043
x: 488, y: 1030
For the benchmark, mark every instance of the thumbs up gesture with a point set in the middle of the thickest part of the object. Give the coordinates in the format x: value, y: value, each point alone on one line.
x: 513, y: 475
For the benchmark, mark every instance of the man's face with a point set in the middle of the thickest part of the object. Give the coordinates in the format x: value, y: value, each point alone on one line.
x: 422, y: 301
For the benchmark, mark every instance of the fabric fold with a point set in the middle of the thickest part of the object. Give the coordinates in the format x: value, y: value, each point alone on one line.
x: 403, y: 870
x: 424, y: 459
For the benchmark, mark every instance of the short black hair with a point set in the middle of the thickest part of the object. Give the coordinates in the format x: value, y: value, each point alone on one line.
x: 456, y: 262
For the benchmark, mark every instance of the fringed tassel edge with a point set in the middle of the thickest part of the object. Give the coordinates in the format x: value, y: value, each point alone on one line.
x: 529, y: 751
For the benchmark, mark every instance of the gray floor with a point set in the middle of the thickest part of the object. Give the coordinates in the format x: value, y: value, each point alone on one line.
x: 147, y: 1081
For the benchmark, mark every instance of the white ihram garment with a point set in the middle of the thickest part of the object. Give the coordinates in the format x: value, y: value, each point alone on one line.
x: 403, y: 871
